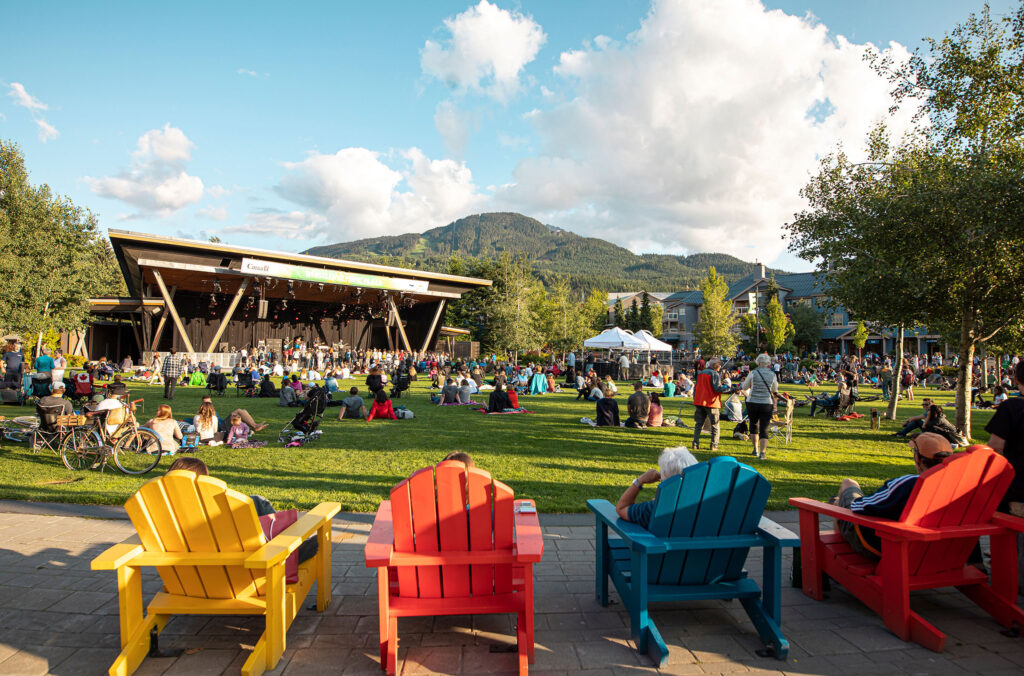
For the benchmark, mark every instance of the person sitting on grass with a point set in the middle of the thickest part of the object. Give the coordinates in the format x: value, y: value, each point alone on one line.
x: 466, y: 391
x: 267, y: 387
x: 684, y: 386
x: 295, y: 384
x: 382, y: 407
x: 638, y: 406
x: 888, y: 502
x: 609, y: 384
x: 671, y: 462
x: 513, y: 399
x: 656, y: 413
x: 462, y: 457
x: 498, y: 400
x: 669, y: 389
x: 450, y: 392
x: 826, y: 403
x: 238, y: 435
x: 207, y: 425
x: 166, y: 427
x: 596, y: 391
x: 306, y: 550
x: 607, y: 410
x: 915, y: 422
x: 581, y: 386
x: 352, y: 407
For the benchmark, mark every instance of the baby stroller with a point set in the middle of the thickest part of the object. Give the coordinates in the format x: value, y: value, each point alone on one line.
x: 305, y: 426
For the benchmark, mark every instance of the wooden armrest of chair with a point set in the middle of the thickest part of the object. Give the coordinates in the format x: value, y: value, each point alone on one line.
x: 639, y: 538
x: 778, y: 535
x: 283, y: 544
x: 1007, y: 521
x: 380, y: 544
x: 892, y: 530
x: 529, y: 544
x: 118, y: 555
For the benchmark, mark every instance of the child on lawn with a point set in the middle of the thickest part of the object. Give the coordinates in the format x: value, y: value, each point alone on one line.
x: 238, y: 435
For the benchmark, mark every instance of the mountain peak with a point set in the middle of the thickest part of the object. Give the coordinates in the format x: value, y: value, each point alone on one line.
x: 588, y: 262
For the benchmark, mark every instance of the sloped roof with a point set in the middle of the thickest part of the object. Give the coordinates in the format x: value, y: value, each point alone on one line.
x: 687, y: 297
x: 801, y: 284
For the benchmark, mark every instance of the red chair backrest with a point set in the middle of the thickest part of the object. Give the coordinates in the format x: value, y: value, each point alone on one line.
x: 964, y: 490
x: 465, y: 510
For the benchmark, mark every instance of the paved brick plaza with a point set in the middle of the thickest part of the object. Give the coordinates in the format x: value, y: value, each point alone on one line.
x: 57, y: 616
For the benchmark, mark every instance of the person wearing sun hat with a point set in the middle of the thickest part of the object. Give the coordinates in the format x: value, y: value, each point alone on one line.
x: 929, y: 450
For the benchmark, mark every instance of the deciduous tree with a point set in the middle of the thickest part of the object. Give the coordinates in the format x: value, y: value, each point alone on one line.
x: 714, y: 331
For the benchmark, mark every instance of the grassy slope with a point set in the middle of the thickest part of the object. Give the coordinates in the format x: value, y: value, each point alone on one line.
x: 548, y: 456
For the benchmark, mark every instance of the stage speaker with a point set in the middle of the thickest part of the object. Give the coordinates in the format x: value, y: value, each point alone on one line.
x: 262, y: 312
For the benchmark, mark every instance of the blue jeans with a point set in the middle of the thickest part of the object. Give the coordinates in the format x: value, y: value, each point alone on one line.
x: 910, y: 427
x: 823, y: 403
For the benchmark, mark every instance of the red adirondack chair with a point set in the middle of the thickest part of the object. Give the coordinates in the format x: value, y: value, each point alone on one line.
x: 461, y: 547
x: 951, y: 506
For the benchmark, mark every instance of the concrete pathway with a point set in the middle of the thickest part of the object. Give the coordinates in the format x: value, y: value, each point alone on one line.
x: 59, y: 617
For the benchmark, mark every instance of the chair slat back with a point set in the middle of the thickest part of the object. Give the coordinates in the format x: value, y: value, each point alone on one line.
x: 180, y: 512
x: 449, y: 508
x: 964, y: 490
x: 717, y: 498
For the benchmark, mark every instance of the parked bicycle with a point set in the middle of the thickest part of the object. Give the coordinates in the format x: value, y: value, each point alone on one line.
x: 134, y: 449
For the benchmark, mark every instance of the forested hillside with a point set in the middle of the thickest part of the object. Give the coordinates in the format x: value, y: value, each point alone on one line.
x: 588, y: 262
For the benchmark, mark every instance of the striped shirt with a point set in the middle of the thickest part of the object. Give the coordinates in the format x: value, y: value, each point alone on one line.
x: 888, y: 501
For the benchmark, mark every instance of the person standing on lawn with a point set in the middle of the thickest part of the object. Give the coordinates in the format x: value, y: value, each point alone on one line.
x: 707, y: 402
x: 171, y: 371
x: 763, y: 388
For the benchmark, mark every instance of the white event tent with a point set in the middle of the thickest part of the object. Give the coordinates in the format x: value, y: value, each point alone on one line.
x: 653, y: 344
x: 616, y: 339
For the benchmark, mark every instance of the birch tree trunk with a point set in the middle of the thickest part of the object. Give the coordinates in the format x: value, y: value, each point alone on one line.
x: 897, y: 376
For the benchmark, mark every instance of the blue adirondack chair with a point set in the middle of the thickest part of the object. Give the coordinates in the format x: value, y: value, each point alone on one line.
x: 704, y: 523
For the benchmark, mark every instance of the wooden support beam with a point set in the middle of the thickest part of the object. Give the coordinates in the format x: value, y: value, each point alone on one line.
x: 162, y: 324
x: 433, y: 325
x: 169, y: 303
x: 138, y: 336
x: 398, y: 323
x: 227, y: 317
x: 387, y: 331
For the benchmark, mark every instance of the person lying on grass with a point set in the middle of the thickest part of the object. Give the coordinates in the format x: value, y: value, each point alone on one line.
x: 671, y: 462
x: 307, y: 549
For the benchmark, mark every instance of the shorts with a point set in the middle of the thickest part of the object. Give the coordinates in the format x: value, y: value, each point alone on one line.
x: 760, y: 416
x: 850, y: 531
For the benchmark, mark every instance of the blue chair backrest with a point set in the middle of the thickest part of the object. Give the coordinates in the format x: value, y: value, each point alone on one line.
x: 717, y: 497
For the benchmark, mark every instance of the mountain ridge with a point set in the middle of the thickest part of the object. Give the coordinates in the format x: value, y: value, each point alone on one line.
x: 588, y: 262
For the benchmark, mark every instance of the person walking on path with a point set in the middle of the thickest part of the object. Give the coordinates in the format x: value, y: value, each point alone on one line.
x: 171, y: 371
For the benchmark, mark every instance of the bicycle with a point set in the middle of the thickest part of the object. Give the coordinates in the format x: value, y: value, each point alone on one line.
x: 19, y: 429
x: 134, y: 449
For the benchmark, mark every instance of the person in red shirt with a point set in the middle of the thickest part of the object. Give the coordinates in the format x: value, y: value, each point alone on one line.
x: 707, y: 402
x: 381, y: 407
x: 513, y: 397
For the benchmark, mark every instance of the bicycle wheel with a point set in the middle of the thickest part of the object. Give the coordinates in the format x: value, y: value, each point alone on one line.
x: 138, y: 452
x: 81, y: 449
x: 20, y: 428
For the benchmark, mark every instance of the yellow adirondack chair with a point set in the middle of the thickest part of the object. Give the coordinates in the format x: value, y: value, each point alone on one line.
x: 206, y: 543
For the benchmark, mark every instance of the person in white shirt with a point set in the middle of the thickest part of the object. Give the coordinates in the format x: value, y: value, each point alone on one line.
x: 346, y: 373
x: 313, y: 374
x: 60, y: 364
x: 278, y: 369
x: 116, y: 412
x: 623, y: 364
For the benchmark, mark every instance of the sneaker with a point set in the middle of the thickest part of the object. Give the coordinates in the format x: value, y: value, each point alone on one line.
x: 714, y: 448
x: 762, y: 456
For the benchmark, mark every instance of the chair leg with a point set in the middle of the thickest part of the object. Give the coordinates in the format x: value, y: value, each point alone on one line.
x: 392, y: 647
x: 639, y: 618
x: 767, y: 628
x: 528, y: 610
x: 603, y: 563
x: 135, y: 648
x: 810, y: 554
x: 323, y: 572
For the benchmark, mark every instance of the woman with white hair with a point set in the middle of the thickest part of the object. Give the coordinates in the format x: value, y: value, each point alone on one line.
x: 762, y: 389
x: 671, y: 462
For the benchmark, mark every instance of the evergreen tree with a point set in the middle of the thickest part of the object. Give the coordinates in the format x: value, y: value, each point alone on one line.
x: 513, y: 313
x: 633, y: 317
x: 619, y: 315
x: 714, y: 330
x: 646, y: 318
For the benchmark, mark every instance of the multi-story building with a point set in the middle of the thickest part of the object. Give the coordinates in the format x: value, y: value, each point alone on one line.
x: 682, y: 312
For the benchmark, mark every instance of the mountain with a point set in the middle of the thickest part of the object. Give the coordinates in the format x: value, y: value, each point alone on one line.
x: 589, y: 262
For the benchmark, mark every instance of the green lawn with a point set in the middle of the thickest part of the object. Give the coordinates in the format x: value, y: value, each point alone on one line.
x: 548, y: 455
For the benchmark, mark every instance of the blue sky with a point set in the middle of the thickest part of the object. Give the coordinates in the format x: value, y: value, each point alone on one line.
x: 678, y: 127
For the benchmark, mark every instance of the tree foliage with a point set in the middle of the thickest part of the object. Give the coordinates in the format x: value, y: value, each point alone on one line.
x: 928, y: 232
x: 807, y: 325
x: 714, y: 330
x: 860, y: 336
x: 52, y: 255
x: 778, y: 329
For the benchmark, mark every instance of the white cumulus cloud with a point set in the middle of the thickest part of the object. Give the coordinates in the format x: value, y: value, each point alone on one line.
x: 47, y: 132
x: 697, y: 132
x: 355, y: 193
x: 487, y: 49
x: 454, y: 126
x: 156, y: 182
x: 214, y: 213
x: 17, y: 91
x: 279, y: 223
x: 24, y: 99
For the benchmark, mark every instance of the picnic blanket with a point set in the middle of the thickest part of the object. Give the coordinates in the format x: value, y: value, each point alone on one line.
x: 850, y: 416
x: 468, y: 403
x: 507, y: 411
